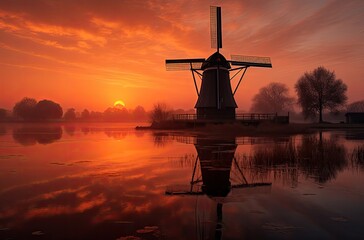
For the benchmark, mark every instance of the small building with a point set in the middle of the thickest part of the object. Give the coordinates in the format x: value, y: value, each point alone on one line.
x: 354, y: 117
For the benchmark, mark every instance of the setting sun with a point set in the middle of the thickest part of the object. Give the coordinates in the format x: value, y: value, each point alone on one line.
x: 119, y: 104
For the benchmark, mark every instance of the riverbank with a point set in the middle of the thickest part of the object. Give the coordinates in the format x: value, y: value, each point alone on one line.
x: 268, y: 128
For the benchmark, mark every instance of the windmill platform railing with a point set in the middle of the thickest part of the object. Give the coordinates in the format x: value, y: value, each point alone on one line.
x: 240, y: 117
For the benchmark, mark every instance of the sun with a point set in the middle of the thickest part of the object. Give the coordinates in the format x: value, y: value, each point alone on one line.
x: 119, y: 104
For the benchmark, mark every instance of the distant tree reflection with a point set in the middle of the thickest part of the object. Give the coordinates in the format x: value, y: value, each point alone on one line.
x: 278, y: 160
x: 2, y: 130
x: 117, y: 134
x: 314, y: 157
x: 321, y: 158
x: 85, y: 130
x: 161, y: 139
x: 30, y: 136
x: 70, y: 129
x: 357, y: 157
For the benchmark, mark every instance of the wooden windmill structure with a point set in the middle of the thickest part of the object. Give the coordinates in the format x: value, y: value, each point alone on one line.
x: 215, y: 96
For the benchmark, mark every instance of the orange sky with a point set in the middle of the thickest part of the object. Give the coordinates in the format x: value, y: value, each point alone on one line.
x: 90, y: 53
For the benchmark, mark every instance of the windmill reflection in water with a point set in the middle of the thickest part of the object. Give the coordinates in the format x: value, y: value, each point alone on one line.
x: 214, y: 170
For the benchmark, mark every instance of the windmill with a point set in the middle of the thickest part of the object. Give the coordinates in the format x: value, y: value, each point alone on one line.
x: 216, y: 97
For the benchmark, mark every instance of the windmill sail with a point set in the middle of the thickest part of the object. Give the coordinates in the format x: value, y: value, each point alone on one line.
x: 184, y: 64
x: 215, y: 27
x: 250, y: 61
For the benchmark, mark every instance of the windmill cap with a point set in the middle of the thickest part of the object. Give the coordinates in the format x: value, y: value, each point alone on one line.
x: 216, y: 59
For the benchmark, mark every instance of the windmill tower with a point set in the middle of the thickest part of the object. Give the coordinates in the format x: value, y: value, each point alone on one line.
x: 215, y: 96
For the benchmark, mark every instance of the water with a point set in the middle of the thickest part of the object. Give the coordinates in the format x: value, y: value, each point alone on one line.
x: 108, y: 181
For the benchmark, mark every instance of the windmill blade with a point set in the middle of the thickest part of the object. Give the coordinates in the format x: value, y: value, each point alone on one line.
x: 215, y: 27
x: 184, y: 64
x: 250, y: 61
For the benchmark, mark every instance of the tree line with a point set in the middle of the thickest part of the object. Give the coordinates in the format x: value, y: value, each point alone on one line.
x: 29, y: 109
x: 317, y: 91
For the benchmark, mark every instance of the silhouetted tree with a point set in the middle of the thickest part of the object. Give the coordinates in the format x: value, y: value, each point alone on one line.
x: 70, y: 114
x: 3, y: 114
x: 273, y: 98
x: 116, y: 114
x: 3, y: 130
x: 47, y: 109
x: 357, y: 106
x: 160, y: 113
x: 319, y: 90
x: 25, y: 109
x: 85, y: 114
x: 96, y: 116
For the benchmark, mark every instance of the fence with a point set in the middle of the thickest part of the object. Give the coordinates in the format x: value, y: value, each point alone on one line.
x: 240, y: 116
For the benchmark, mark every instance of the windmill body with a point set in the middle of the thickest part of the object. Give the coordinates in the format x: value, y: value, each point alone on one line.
x: 216, y: 78
x: 215, y: 95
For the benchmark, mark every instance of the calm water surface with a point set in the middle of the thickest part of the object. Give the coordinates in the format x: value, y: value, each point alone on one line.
x: 108, y: 181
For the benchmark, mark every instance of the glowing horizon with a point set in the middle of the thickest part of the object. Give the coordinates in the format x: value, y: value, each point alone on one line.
x: 88, y: 54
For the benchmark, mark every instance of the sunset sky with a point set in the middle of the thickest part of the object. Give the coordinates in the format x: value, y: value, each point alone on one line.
x: 91, y: 53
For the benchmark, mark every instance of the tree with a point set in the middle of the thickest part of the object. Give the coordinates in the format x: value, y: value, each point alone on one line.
x: 70, y: 114
x: 160, y: 113
x: 25, y: 108
x: 116, y: 114
x: 96, y: 116
x: 319, y: 90
x: 47, y: 109
x: 357, y: 106
x: 3, y: 114
x: 85, y: 114
x: 272, y: 98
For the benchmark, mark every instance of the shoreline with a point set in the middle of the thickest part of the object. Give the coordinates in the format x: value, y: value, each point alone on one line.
x: 222, y: 129
x: 267, y: 129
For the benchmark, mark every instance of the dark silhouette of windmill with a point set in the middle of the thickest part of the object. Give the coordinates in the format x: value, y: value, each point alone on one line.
x: 216, y: 98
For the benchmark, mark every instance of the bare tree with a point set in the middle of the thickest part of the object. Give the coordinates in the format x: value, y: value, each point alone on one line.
x: 319, y: 90
x: 357, y: 106
x: 272, y: 98
x: 160, y: 113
